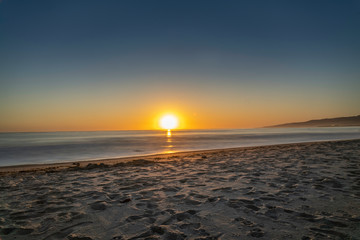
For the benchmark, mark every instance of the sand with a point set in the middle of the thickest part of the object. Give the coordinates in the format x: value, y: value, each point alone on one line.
x: 295, y: 191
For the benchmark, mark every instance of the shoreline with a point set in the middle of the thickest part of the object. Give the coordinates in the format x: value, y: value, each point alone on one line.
x: 288, y: 191
x: 108, y: 162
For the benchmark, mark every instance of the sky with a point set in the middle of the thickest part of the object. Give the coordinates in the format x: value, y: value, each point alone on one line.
x: 119, y: 65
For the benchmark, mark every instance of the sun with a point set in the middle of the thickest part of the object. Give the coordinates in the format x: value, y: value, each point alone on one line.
x: 169, y: 122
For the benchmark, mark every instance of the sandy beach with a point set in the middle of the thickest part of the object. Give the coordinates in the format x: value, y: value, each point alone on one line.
x: 293, y: 191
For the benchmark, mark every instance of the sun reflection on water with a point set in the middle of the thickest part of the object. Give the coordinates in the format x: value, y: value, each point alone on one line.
x: 169, y: 141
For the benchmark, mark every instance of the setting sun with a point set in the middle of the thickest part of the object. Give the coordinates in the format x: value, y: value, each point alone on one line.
x: 169, y: 122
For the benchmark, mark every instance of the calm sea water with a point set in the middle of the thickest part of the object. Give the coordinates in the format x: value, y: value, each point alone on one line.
x: 51, y: 147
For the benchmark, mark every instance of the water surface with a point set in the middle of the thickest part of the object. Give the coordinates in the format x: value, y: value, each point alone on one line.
x: 51, y: 147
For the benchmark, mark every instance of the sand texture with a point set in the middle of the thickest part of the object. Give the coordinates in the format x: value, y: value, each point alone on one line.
x: 297, y: 191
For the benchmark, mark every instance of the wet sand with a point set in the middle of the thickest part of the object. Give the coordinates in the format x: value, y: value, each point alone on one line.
x: 294, y: 191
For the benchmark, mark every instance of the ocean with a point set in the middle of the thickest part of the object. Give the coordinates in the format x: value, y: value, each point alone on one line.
x: 55, y: 147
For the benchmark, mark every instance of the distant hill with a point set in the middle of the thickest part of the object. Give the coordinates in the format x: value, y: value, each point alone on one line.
x: 327, y: 122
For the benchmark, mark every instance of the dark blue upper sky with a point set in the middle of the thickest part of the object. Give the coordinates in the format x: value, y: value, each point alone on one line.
x: 60, y: 45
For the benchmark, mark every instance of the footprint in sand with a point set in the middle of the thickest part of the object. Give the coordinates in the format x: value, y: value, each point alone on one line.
x: 100, y: 205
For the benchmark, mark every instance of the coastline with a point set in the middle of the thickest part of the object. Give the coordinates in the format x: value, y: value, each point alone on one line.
x: 289, y: 191
x: 108, y: 162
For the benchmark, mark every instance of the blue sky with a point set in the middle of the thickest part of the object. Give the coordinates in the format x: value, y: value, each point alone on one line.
x: 243, y: 60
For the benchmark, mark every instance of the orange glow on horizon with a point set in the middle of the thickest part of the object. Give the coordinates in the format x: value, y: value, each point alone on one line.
x: 52, y: 116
